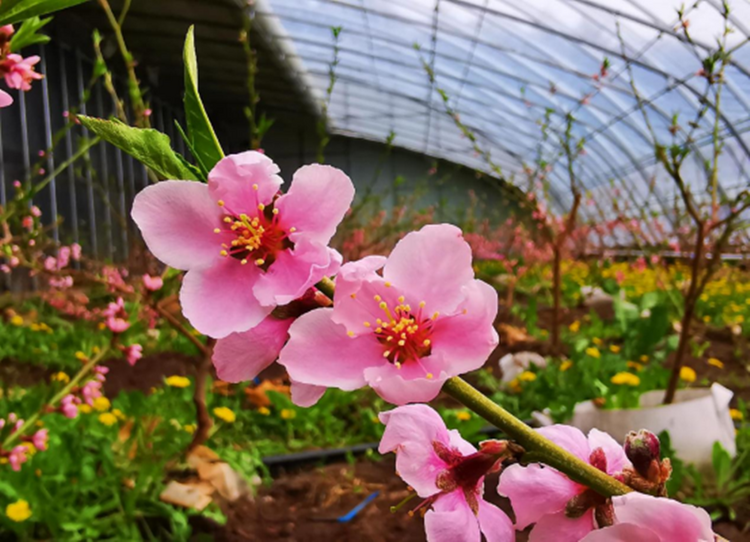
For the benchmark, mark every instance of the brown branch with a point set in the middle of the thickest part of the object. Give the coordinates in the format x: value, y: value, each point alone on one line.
x: 204, y: 422
x: 175, y: 323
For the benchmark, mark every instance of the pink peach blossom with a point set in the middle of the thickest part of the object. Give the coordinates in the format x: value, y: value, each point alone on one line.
x: 18, y: 71
x: 40, y: 438
x: 5, y: 99
x: 540, y: 494
x: 91, y: 390
x: 61, y: 283
x: 75, y: 251
x: 17, y: 457
x: 152, y: 283
x: 404, y: 333
x: 68, y: 406
x: 132, y: 353
x: 245, y: 248
x: 242, y: 356
x: 448, y: 473
x: 653, y: 519
x: 116, y: 317
x: 63, y: 257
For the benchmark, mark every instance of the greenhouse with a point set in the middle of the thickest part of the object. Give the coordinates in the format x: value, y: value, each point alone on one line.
x: 334, y: 270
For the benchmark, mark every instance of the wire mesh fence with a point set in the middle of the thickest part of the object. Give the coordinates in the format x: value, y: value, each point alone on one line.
x: 89, y: 201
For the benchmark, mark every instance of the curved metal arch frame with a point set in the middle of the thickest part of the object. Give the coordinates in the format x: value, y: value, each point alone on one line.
x: 594, y: 130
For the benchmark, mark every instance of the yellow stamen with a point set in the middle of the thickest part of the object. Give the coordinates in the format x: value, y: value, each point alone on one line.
x: 435, y: 316
x: 275, y: 211
x: 429, y: 376
x: 353, y: 296
x: 426, y: 342
x: 400, y: 299
x: 386, y: 353
x: 377, y: 298
x: 255, y: 187
x: 387, y: 284
x: 220, y: 203
x: 422, y: 304
x: 260, y: 261
x: 228, y: 219
x: 401, y: 342
x: 217, y: 230
x: 261, y: 207
x: 350, y: 333
x: 292, y: 229
x: 243, y: 261
x: 383, y: 305
x: 224, y: 253
x: 367, y: 324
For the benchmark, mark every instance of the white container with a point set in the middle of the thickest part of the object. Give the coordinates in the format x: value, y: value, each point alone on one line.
x: 698, y: 418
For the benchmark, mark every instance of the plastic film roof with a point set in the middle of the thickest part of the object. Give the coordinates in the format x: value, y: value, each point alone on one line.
x: 505, y: 63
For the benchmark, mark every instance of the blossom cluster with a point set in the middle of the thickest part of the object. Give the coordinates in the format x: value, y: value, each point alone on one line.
x: 17, y: 71
x: 84, y: 395
x: 18, y: 454
x: 258, y: 263
x: 449, y: 472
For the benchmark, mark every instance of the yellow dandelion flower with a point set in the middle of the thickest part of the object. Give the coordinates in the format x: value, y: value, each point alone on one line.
x: 85, y: 409
x: 565, y: 365
x: 593, y: 352
x: 61, y: 377
x: 225, y: 414
x: 34, y: 327
x: 688, y: 374
x: 644, y: 358
x: 189, y: 428
x: 635, y: 365
x: 118, y: 413
x: 17, y: 320
x: 575, y: 326
x: 177, y: 381
x: 527, y: 376
x: 102, y: 404
x: 706, y: 319
x: 463, y: 416
x: 716, y: 363
x: 80, y: 356
x: 263, y: 411
x: 614, y: 349
x: 597, y: 341
x: 288, y: 414
x: 18, y: 511
x: 107, y: 418
x: 736, y: 414
x: 625, y: 379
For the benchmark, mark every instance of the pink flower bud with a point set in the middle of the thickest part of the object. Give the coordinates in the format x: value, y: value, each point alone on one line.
x: 642, y: 448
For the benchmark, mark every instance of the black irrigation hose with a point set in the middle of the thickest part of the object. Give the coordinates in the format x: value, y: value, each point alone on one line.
x: 282, y: 461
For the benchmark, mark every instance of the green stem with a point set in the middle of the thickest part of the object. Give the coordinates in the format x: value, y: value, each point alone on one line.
x: 83, y: 149
x: 56, y: 399
x: 548, y: 452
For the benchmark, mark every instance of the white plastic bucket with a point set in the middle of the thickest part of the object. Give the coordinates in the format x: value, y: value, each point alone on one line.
x: 698, y: 418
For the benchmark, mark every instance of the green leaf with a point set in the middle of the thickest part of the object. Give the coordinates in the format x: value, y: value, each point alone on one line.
x: 189, y: 143
x: 15, y: 11
x: 207, y: 150
x: 149, y: 147
x: 722, y: 463
x: 27, y: 34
